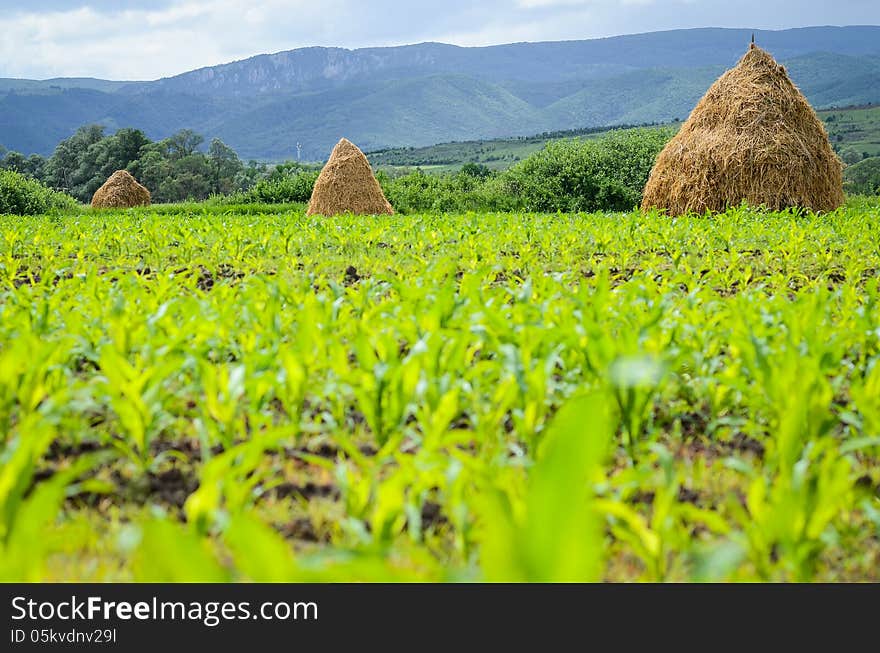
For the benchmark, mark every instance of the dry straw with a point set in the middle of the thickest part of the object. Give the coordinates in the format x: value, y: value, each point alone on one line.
x: 752, y: 137
x: 121, y: 191
x: 347, y: 185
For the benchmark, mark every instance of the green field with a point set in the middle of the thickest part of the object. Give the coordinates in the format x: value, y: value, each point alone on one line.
x: 855, y: 130
x: 196, y: 393
x: 497, y: 154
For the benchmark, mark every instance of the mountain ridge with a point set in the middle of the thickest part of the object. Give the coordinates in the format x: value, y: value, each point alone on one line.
x: 415, y: 95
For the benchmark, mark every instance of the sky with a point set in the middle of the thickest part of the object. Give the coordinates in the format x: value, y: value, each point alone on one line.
x: 132, y: 39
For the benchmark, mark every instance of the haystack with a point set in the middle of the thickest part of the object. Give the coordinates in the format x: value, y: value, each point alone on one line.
x: 752, y: 137
x: 121, y: 191
x: 347, y: 185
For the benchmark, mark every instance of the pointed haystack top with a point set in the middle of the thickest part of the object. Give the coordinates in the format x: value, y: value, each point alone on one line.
x: 752, y: 137
x: 120, y: 191
x: 347, y: 185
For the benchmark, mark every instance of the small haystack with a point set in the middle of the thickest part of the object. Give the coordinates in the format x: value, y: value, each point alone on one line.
x: 347, y: 185
x: 752, y: 137
x: 121, y: 191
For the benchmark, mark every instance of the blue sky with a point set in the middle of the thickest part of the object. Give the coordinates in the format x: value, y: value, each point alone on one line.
x: 131, y: 39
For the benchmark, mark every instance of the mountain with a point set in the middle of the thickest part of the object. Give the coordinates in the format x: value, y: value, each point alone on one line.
x: 421, y: 94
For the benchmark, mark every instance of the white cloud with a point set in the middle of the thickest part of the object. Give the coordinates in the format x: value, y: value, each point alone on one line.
x: 137, y: 43
x: 533, y: 4
x: 572, y: 24
x: 132, y: 39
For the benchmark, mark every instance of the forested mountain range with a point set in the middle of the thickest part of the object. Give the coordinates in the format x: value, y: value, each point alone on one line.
x: 431, y: 92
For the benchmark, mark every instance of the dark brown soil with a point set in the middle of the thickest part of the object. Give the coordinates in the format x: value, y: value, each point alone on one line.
x: 685, y: 495
x: 307, y: 491
x: 302, y: 529
x: 432, y: 515
x: 351, y: 275
x: 172, y: 487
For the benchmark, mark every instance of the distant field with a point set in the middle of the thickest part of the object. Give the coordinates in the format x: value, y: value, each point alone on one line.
x: 497, y: 154
x: 855, y: 130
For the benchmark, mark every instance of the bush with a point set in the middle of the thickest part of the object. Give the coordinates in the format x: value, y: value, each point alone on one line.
x: 607, y: 173
x: 278, y: 189
x: 459, y: 193
x: 863, y: 178
x: 20, y: 195
x: 603, y: 174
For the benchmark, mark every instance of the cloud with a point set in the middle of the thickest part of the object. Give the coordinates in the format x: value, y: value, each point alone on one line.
x: 532, y: 4
x: 131, y: 39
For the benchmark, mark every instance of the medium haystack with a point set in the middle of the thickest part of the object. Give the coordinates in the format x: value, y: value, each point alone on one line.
x: 752, y: 137
x: 347, y: 185
x: 121, y: 191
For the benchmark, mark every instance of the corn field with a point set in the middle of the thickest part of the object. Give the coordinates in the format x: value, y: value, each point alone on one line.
x: 209, y: 394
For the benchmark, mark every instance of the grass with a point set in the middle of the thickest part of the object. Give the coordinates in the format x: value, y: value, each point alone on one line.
x: 209, y: 393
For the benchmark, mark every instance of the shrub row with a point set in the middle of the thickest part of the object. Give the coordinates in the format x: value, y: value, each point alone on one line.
x: 602, y: 174
x: 20, y: 195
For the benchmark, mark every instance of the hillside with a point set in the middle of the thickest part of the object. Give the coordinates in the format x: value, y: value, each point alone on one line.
x: 854, y: 132
x: 427, y: 93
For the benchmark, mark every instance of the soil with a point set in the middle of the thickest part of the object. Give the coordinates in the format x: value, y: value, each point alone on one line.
x: 432, y: 515
x: 307, y: 491
x: 172, y: 487
x: 302, y: 529
x: 351, y: 275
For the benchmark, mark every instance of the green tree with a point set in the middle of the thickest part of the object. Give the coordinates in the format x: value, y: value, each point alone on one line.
x: 189, y: 179
x: 851, y: 156
x: 173, y: 169
x: 36, y: 166
x: 225, y: 167
x: 184, y: 143
x: 250, y: 174
x: 476, y: 170
x: 152, y: 168
x: 15, y: 161
x: 68, y: 168
x: 106, y: 156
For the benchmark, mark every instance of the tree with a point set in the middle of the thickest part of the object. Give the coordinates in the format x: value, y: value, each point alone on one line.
x: 475, y: 170
x: 111, y: 153
x: 251, y: 174
x: 15, y: 161
x: 151, y: 169
x: 173, y: 169
x: 850, y: 157
x: 225, y: 167
x: 128, y: 144
x: 184, y: 143
x: 68, y: 168
x: 36, y: 166
x: 189, y: 178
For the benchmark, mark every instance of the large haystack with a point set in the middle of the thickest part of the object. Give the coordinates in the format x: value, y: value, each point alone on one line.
x: 347, y: 185
x: 121, y: 191
x: 752, y: 137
